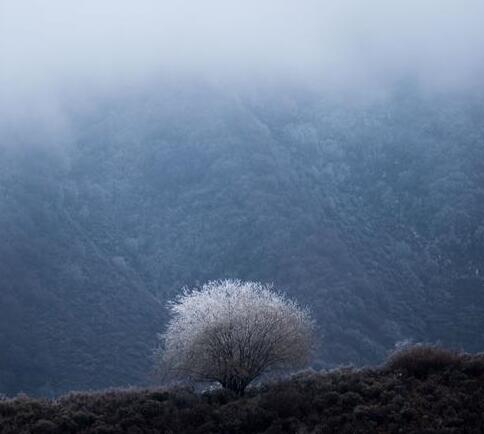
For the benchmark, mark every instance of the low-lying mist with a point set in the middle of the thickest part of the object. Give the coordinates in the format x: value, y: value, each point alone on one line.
x: 48, y: 49
x: 58, y: 54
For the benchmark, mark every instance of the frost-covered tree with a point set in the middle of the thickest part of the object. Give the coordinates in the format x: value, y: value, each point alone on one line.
x: 232, y: 332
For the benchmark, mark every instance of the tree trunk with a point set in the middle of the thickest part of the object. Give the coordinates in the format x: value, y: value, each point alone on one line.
x: 235, y: 384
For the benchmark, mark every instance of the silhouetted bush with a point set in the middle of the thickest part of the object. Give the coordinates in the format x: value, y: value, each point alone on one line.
x: 43, y: 426
x: 420, y: 360
x: 474, y: 365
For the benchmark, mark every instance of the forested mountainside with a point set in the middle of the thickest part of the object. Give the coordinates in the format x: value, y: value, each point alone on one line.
x: 371, y: 213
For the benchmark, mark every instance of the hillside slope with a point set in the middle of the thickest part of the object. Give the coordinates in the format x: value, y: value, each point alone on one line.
x: 370, y: 213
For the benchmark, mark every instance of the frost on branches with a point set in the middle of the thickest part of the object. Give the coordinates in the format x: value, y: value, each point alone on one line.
x: 231, y: 332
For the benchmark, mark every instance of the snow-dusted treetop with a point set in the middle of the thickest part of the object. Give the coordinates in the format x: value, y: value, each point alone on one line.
x: 231, y: 332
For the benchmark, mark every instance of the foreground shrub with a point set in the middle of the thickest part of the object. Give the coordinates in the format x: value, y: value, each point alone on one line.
x: 451, y: 400
x: 422, y: 359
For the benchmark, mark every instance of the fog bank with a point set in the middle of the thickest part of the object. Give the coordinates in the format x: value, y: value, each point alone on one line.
x: 50, y: 45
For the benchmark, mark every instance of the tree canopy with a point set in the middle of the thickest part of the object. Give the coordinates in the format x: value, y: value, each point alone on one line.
x: 231, y: 332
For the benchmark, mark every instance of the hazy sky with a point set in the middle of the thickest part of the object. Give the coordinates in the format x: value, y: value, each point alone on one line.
x: 50, y: 46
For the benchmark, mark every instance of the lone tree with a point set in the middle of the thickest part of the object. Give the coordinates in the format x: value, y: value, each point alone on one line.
x: 232, y: 332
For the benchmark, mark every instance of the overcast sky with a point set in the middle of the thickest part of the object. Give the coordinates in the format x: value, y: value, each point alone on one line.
x: 52, y: 45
